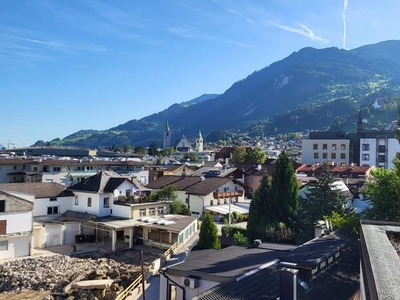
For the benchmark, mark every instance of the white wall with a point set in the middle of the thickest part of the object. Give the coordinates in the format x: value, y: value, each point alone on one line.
x: 17, y: 247
x: 392, y: 148
x: 122, y: 211
x: 204, y: 285
x: 308, y: 151
x: 17, y: 221
x: 64, y: 203
x: 83, y: 203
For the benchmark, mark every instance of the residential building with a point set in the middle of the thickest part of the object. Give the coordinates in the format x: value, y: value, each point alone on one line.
x: 322, y: 147
x: 179, y: 170
x: 326, y: 267
x: 200, y: 192
x: 47, y: 198
x: 365, y: 147
x: 67, y: 171
x: 96, y: 195
x: 15, y: 226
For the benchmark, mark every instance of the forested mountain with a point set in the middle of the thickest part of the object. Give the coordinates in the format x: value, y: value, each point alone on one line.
x: 312, y: 89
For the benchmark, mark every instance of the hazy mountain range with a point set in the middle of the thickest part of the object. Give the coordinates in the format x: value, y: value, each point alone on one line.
x: 315, y: 89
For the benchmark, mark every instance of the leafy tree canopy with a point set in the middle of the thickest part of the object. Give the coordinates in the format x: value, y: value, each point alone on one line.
x: 256, y: 156
x: 239, y: 155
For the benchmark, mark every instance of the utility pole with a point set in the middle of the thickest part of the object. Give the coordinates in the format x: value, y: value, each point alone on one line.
x: 143, y: 276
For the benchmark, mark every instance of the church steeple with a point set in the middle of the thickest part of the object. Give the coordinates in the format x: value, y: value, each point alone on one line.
x: 199, y: 143
x: 359, y: 122
x: 167, y: 136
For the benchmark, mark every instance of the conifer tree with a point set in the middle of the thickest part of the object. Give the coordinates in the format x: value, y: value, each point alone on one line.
x: 208, y: 236
x: 260, y: 210
x: 284, y: 189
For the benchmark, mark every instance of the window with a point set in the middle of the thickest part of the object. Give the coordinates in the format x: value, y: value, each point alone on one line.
x: 160, y: 210
x: 342, y: 146
x: 15, y: 167
x: 316, y: 155
x: 365, y: 147
x: 52, y: 210
x: 315, y: 146
x: 3, y: 245
x: 3, y: 227
x: 142, y: 212
x: 365, y: 157
x: 2, y: 205
x: 89, y: 202
x: 106, y: 202
x: 56, y: 169
x: 324, y: 155
x: 381, y: 148
x: 342, y: 155
x: 34, y: 168
x: 76, y: 201
x: 333, y: 155
x: 53, y: 199
x: 324, y: 146
x: 334, y: 146
x: 128, y: 193
x: 226, y: 189
x: 152, y: 211
x: 249, y: 180
x: 381, y: 158
x: 187, y: 199
x: 211, y: 202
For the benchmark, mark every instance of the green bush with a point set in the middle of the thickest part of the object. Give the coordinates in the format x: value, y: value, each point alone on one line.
x: 279, y: 233
x: 231, y: 230
x: 239, y: 239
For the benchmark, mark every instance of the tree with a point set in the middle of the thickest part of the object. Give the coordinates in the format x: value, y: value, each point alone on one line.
x: 153, y: 149
x: 191, y: 156
x: 256, y: 156
x: 239, y: 155
x: 239, y: 239
x: 177, y: 207
x: 284, y: 189
x: 140, y: 150
x: 208, y: 236
x: 168, y: 193
x: 260, y: 209
x: 384, y: 195
x: 323, y: 199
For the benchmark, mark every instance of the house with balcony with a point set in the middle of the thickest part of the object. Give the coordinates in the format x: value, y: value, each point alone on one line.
x: 199, y: 192
x: 97, y: 194
x: 15, y: 226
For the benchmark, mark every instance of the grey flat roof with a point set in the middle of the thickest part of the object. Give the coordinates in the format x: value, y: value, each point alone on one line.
x: 385, y: 263
x: 226, y: 264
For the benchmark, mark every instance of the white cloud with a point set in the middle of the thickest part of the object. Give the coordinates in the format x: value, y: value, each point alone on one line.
x: 192, y: 34
x: 235, y: 12
x: 304, y: 31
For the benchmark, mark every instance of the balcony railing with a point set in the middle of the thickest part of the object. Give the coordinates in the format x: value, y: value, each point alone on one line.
x: 228, y: 194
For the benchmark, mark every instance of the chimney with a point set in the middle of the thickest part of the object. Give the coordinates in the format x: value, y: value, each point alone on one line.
x: 288, y: 284
x: 319, y: 230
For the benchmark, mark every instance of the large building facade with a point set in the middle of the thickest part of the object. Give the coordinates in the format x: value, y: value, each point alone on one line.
x: 365, y: 147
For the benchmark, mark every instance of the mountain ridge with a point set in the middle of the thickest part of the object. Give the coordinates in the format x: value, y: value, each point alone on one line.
x: 320, y: 85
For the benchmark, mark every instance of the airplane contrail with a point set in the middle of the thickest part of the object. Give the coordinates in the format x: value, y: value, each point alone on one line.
x: 346, y: 2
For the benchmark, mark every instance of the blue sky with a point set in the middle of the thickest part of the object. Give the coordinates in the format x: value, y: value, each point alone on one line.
x: 71, y: 65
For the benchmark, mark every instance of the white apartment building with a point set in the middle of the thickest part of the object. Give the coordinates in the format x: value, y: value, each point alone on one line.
x: 378, y: 151
x: 318, y: 151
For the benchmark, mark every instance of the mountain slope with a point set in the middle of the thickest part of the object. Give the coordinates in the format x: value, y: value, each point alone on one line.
x: 309, y: 89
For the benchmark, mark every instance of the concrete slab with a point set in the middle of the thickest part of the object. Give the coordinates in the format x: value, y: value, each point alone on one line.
x: 94, y: 284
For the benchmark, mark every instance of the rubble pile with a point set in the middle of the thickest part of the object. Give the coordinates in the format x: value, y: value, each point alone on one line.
x: 59, y: 273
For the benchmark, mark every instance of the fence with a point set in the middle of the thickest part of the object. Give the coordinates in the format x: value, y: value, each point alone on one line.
x: 148, y: 272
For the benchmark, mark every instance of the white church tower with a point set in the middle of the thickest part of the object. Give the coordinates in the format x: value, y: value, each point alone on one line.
x: 199, y: 143
x: 167, y: 137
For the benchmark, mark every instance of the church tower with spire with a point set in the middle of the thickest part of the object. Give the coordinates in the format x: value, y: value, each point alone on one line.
x: 199, y: 143
x: 359, y: 122
x: 167, y: 136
